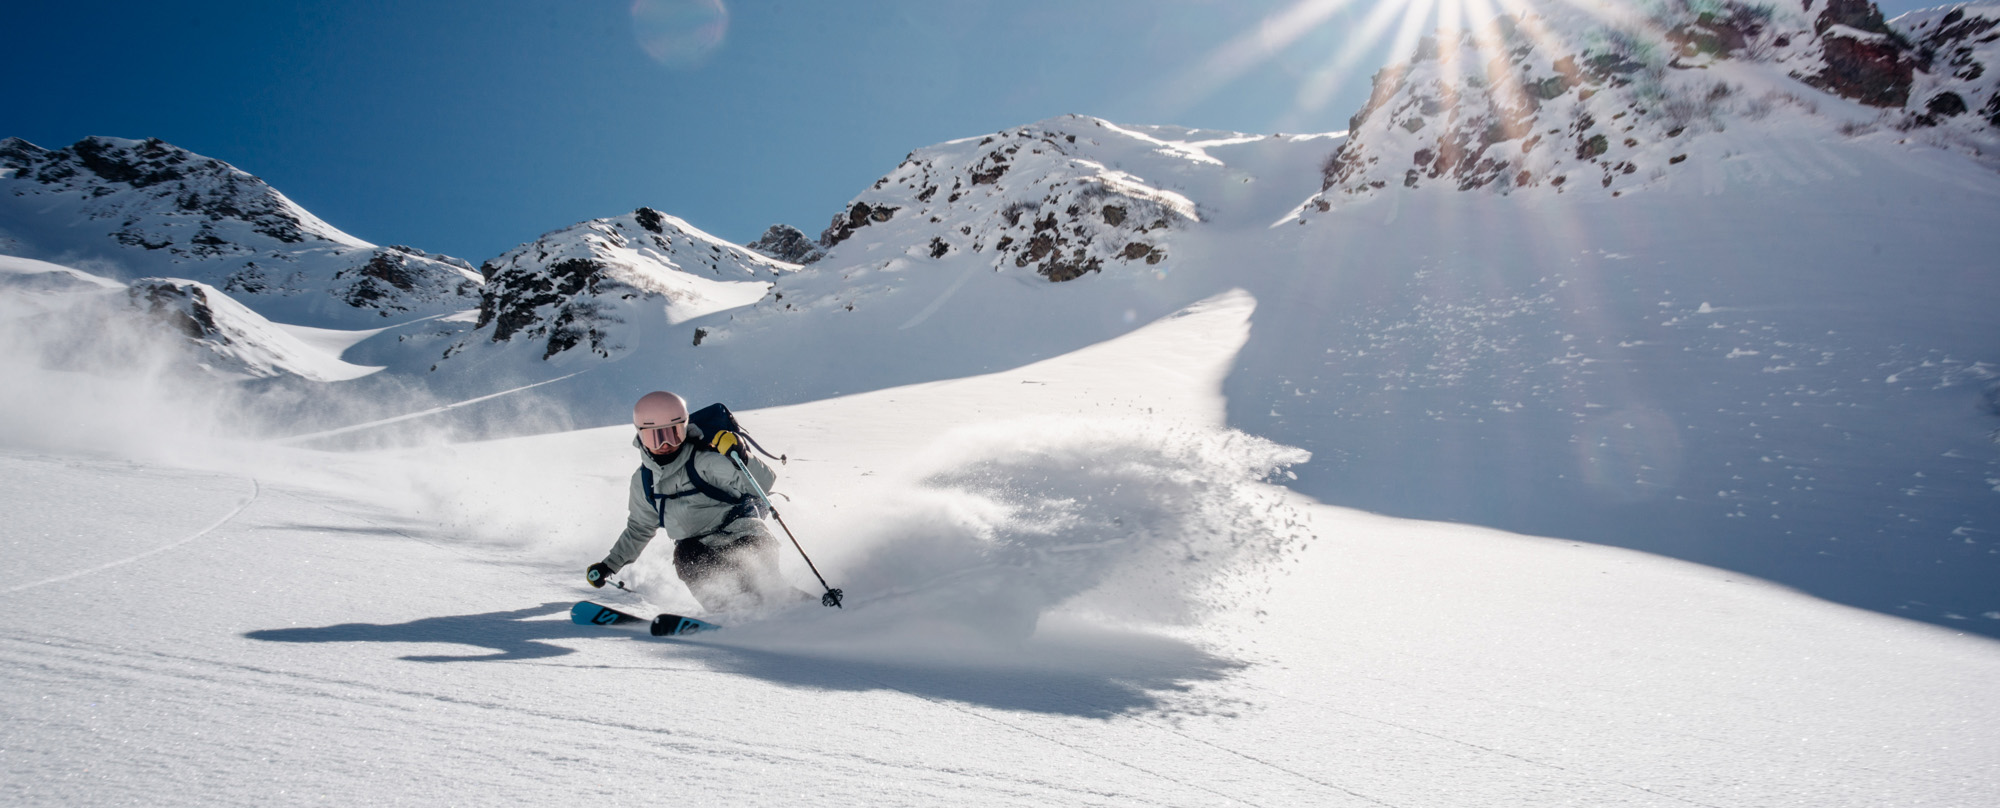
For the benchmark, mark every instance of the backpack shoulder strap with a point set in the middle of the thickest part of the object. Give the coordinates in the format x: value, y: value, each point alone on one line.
x: 711, y: 490
x: 646, y: 478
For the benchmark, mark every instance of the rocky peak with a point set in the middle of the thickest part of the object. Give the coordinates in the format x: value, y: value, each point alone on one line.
x: 1861, y: 57
x: 181, y: 306
x: 1959, y: 90
x: 156, y: 208
x: 1573, y: 101
x: 1040, y: 196
x: 128, y: 177
x: 789, y: 244
x: 578, y: 287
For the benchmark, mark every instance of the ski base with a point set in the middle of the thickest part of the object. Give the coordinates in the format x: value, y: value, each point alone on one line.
x: 586, y: 613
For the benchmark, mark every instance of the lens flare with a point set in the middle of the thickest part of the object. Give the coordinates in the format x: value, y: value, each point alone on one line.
x: 679, y: 33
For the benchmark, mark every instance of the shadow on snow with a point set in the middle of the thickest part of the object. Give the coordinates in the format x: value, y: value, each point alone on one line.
x: 1093, y: 673
x: 512, y: 635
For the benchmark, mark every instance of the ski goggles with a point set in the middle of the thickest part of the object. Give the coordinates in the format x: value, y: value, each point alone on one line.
x: 663, y: 438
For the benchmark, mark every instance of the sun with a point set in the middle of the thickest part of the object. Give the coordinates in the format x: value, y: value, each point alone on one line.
x: 1400, y: 24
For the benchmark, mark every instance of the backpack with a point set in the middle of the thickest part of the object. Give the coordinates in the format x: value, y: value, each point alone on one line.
x: 716, y: 418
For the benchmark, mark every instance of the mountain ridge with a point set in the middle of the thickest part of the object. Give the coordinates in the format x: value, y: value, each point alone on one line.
x: 1580, y: 100
x: 148, y: 208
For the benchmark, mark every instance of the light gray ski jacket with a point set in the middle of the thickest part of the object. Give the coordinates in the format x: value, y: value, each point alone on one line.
x: 662, y: 497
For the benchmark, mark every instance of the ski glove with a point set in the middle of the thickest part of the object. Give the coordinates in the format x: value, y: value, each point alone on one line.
x: 725, y: 442
x: 596, y: 574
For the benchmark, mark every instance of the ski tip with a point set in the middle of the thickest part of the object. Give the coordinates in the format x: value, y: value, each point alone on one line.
x: 586, y: 613
x: 673, y: 625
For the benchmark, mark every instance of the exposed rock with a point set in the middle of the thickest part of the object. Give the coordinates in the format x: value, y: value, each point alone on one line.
x: 581, y: 287
x: 1873, y: 68
x: 787, y: 243
x: 1960, y: 45
x: 180, y: 306
x: 1033, y: 197
x: 859, y: 216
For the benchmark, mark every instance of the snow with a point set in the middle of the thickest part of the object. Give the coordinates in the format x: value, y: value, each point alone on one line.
x: 87, y: 320
x: 27, y: 275
x: 1671, y: 488
x: 257, y: 625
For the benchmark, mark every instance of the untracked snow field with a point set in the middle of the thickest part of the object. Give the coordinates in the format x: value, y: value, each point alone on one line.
x: 258, y: 625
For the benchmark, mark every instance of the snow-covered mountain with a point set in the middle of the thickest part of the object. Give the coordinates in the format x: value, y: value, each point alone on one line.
x: 276, y: 627
x: 604, y: 286
x: 1599, y: 97
x: 1039, y: 196
x: 903, y: 247
x: 146, y: 208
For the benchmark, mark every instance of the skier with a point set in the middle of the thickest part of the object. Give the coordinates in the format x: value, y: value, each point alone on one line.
x: 723, y: 550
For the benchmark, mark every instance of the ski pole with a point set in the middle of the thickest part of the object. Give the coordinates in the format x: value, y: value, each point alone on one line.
x: 832, y: 596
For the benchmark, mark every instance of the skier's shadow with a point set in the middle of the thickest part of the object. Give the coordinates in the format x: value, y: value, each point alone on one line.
x: 513, y: 635
x: 1091, y: 675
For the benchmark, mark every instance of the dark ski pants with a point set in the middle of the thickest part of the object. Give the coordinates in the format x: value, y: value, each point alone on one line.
x: 734, y: 567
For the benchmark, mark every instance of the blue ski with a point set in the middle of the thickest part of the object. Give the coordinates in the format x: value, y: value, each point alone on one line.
x: 586, y: 613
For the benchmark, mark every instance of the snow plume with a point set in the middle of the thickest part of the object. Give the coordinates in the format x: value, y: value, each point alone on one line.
x: 82, y: 376
x: 176, y: 371
x: 1134, y: 522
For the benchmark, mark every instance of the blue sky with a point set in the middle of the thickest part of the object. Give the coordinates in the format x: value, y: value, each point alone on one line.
x: 467, y: 128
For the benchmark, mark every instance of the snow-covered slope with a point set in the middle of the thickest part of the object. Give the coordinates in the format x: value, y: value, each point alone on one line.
x: 61, y: 318
x: 146, y: 208
x: 278, y: 627
x: 1589, y: 275
x: 1774, y: 358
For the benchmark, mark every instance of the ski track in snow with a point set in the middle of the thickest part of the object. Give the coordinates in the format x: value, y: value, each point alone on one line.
x: 301, y: 692
x: 256, y: 490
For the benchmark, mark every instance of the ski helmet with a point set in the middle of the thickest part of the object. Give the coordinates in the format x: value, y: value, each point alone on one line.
x: 661, y: 418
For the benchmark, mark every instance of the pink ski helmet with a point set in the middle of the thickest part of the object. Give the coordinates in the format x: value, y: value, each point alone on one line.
x: 661, y: 418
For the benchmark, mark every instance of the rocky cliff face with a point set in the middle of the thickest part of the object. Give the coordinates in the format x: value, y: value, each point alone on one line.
x: 1959, y: 87
x: 217, y: 333
x: 787, y: 243
x: 1580, y: 102
x: 147, y: 207
x: 1039, y: 198
x: 580, y: 287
